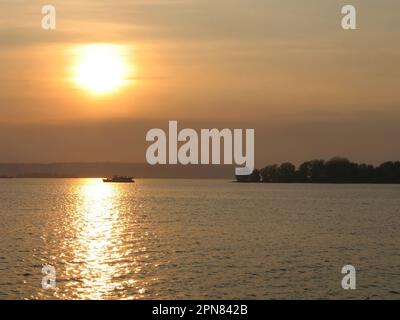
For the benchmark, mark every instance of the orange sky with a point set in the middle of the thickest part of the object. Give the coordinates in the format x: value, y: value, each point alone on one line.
x: 288, y: 69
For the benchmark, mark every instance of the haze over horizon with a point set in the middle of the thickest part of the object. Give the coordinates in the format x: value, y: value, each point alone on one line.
x: 308, y: 88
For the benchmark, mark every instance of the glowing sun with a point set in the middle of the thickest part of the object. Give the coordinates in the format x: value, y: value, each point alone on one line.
x: 100, y: 68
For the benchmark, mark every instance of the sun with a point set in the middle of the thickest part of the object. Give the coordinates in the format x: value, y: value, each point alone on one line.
x: 100, y: 68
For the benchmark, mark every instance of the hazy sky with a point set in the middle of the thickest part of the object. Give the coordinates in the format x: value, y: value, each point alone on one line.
x: 283, y: 67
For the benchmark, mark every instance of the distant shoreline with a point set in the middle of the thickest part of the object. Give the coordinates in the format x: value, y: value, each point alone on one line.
x: 225, y: 179
x: 102, y: 177
x: 334, y: 171
x: 108, y: 169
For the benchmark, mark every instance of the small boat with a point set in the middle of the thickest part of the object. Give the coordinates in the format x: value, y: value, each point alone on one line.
x: 120, y: 179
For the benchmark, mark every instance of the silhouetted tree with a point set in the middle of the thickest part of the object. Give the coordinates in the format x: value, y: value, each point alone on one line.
x: 312, y: 171
x: 366, y: 173
x: 389, y: 172
x: 287, y: 172
x: 270, y: 173
x: 340, y: 170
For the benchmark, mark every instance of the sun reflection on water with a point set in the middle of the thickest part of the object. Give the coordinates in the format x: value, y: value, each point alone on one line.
x: 98, y: 232
x: 105, y: 258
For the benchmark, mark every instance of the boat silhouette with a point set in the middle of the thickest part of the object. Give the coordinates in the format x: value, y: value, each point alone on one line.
x: 120, y: 179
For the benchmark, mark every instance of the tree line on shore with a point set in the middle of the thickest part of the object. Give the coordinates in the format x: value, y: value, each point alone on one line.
x: 335, y: 170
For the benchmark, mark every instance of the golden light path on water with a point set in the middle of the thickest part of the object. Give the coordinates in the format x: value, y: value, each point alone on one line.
x: 107, y: 248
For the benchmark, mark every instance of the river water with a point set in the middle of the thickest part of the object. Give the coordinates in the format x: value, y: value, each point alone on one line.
x: 197, y: 239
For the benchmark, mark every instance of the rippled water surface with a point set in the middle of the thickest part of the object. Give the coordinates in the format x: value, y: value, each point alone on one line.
x: 177, y: 239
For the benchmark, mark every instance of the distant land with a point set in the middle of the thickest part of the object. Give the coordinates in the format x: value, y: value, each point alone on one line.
x: 335, y: 170
x: 105, y: 169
